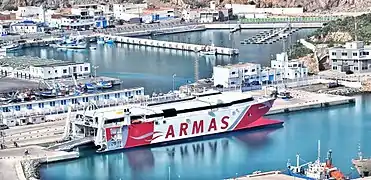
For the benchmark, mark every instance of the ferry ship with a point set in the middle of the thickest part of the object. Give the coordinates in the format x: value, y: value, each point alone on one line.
x: 176, y: 117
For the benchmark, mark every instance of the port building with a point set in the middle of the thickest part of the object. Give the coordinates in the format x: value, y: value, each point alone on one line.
x: 41, y: 69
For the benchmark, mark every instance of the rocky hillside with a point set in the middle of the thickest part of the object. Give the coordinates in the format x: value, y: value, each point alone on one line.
x: 309, y: 5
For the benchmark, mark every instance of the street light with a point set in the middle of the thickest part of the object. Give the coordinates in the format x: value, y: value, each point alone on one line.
x: 174, y: 75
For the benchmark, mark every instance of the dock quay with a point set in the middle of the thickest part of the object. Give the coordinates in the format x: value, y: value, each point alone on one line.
x: 16, y: 165
x: 271, y: 36
x: 172, y: 45
x: 276, y: 175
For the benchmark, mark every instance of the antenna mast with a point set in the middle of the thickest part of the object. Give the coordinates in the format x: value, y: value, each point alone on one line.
x: 319, y: 151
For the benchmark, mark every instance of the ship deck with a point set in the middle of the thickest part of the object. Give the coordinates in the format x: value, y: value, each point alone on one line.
x: 223, y: 98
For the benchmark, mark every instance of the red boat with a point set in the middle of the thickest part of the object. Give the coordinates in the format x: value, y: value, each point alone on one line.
x: 171, y: 118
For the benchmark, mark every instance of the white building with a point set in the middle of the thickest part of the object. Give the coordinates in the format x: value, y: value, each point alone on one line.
x: 28, y: 11
x: 47, y: 70
x: 290, y: 69
x: 128, y: 10
x: 249, y: 74
x: 27, y: 27
x: 354, y: 56
x: 75, y: 22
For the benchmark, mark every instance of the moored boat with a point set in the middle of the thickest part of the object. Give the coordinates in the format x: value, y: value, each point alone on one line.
x: 177, y: 117
x: 363, y: 165
x: 316, y: 170
x: 12, y: 47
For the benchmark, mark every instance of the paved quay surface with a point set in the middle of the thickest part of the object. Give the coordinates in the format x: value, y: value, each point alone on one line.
x: 10, y: 160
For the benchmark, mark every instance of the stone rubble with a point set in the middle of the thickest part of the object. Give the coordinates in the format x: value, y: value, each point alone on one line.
x: 31, y: 168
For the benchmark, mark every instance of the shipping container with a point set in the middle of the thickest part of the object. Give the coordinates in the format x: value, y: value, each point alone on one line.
x: 135, y: 20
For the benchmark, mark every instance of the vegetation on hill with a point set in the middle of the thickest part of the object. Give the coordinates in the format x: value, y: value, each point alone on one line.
x: 359, y: 27
x: 298, y: 50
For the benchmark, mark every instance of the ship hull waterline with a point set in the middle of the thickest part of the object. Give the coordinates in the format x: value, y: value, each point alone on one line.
x: 149, y: 133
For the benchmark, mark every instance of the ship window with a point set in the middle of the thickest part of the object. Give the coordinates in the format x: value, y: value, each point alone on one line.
x: 106, y: 96
x: 96, y: 98
x: 17, y: 108
x: 169, y: 112
x: 41, y: 105
x: 29, y: 106
x: 117, y: 95
x: 164, y: 122
x: 74, y: 101
x: 156, y: 123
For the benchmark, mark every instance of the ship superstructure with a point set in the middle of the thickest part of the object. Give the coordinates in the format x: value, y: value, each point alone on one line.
x: 183, y: 117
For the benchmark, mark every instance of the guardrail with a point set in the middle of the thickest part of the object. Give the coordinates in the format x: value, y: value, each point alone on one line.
x: 287, y: 19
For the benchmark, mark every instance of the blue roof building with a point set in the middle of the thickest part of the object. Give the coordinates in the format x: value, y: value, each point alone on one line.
x: 28, y: 27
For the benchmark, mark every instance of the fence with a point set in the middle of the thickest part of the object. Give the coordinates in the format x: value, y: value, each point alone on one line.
x: 287, y: 19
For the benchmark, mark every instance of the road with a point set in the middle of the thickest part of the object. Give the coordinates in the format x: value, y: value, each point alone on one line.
x: 34, y: 134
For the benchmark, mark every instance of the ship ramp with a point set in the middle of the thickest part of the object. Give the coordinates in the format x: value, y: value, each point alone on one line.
x: 69, y: 145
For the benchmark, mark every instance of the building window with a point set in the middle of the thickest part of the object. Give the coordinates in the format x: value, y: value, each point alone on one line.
x: 49, y: 72
x: 233, y: 72
x: 86, y: 69
x: 355, y: 54
x: 333, y: 53
x: 56, y: 71
x: 334, y: 67
x: 355, y: 68
x: 232, y: 83
x: 106, y: 96
x: 29, y: 106
x: 64, y: 71
x: 355, y: 61
x: 52, y: 103
x: 74, y: 101
x: 117, y: 95
x: 63, y: 102
x: 366, y: 53
x: 5, y: 109
x: 344, y: 54
x: 41, y: 105
x: 17, y: 108
x: 85, y: 99
x: 334, y: 60
x: 246, y: 70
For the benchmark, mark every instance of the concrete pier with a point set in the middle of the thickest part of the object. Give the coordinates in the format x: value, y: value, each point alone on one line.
x: 172, y: 45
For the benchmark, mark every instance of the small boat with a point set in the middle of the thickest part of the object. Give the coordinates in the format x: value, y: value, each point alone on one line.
x: 362, y: 164
x: 110, y: 41
x: 208, y: 53
x: 12, y: 47
x: 92, y: 48
x: 100, y: 41
x: 104, y: 84
x: 317, y: 170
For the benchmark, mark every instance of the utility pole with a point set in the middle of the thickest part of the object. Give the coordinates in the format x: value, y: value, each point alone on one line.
x: 95, y: 72
x: 174, y: 75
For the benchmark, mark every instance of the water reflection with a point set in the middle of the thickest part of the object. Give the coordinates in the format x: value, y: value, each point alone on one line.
x: 153, y: 163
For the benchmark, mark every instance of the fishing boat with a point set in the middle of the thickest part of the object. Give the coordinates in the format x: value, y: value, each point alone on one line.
x: 170, y: 118
x: 92, y: 48
x: 317, y: 170
x: 72, y: 43
x: 12, y: 47
x: 104, y: 84
x: 362, y: 164
x: 110, y: 41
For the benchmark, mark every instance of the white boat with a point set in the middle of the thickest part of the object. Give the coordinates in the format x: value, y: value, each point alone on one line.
x: 72, y: 46
x: 169, y: 118
x: 92, y: 48
x: 12, y: 47
x: 100, y: 41
x: 208, y: 53
x: 72, y: 43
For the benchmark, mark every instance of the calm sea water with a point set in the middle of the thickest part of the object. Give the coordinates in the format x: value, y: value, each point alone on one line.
x: 152, y: 68
x: 339, y: 128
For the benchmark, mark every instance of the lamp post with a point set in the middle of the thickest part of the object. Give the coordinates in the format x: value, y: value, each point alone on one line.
x: 95, y: 72
x: 174, y: 75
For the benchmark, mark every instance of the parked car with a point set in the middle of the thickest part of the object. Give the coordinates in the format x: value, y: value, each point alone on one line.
x: 3, y: 126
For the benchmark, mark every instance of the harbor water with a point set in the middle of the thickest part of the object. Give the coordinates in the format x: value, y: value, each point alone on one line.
x: 339, y: 128
x: 153, y: 68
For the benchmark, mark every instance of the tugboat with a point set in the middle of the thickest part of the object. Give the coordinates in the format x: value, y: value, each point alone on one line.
x: 363, y: 165
x: 317, y: 170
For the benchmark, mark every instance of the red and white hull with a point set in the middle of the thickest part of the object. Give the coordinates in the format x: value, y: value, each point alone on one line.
x: 190, y: 125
